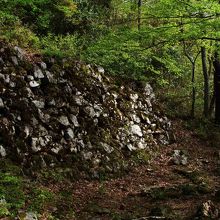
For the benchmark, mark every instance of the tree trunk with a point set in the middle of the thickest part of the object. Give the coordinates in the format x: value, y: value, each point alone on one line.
x: 216, y: 65
x: 139, y: 14
x: 206, y: 82
x: 193, y: 91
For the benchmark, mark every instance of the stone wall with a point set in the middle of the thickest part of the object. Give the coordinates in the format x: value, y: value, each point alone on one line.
x: 67, y: 113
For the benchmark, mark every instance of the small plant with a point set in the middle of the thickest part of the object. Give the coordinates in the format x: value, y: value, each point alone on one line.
x: 11, y: 193
x: 39, y: 199
x: 59, y: 46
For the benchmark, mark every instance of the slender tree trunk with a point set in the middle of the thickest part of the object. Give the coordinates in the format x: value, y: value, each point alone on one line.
x: 206, y: 82
x: 139, y: 14
x: 193, y: 91
x: 216, y: 65
x: 212, y: 105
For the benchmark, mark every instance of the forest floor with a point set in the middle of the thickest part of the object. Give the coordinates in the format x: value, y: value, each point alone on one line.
x: 160, y: 189
x: 157, y: 190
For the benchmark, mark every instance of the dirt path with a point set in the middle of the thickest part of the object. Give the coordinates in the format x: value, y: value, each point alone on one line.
x: 159, y: 189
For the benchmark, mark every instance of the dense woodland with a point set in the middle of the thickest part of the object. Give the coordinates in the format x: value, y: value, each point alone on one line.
x: 172, y: 44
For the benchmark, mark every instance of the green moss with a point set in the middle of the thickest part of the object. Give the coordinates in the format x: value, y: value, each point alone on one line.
x: 141, y: 156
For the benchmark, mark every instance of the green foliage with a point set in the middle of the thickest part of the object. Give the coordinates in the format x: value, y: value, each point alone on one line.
x: 42, y: 16
x: 40, y: 198
x: 59, y: 46
x: 11, y: 194
x: 119, y: 53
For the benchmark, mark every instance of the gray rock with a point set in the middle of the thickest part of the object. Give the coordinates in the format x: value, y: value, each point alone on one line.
x: 87, y: 155
x: 14, y: 60
x: 135, y: 118
x: 1, y: 103
x: 101, y: 70
x: 43, y: 65
x: 90, y: 111
x: 38, y: 74
x: 70, y: 133
x: 30, y: 78
x: 209, y: 211
x: 64, y: 120
x: 2, y: 151
x: 30, y: 216
x: 107, y: 148
x: 7, y: 78
x: 39, y: 104
x: 136, y: 130
x: 134, y: 97
x: 35, y: 145
x: 12, y: 84
x: 79, y: 100
x: 148, y: 89
x: 131, y: 147
x: 50, y: 77
x: 26, y: 131
x: 57, y: 149
x: 34, y: 84
x: 20, y: 52
x: 52, y: 102
x: 179, y: 158
x: 74, y: 120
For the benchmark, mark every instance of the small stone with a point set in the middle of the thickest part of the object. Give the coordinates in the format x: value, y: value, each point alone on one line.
x: 74, y: 120
x: 20, y: 52
x: 1, y: 103
x: 12, y: 84
x: 135, y: 129
x: 87, y: 155
x: 56, y: 149
x: 78, y: 100
x: 14, y: 60
x: 35, y: 145
x: 51, y: 102
x: 131, y: 147
x: 50, y: 77
x: 7, y: 78
x: 30, y: 78
x: 107, y: 148
x: 26, y: 131
x: 43, y: 65
x: 90, y: 111
x: 70, y: 133
x: 34, y: 84
x: 134, y: 97
x: 101, y: 70
x: 31, y: 216
x: 39, y: 104
x: 2, y: 151
x: 209, y: 210
x: 64, y: 120
x: 148, y: 89
x: 179, y: 158
x: 38, y: 73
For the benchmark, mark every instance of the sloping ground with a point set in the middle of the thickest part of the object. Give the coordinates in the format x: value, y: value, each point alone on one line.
x: 160, y: 188
x: 67, y: 113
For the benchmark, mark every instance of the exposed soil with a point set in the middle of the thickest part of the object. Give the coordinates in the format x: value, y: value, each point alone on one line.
x: 158, y: 184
